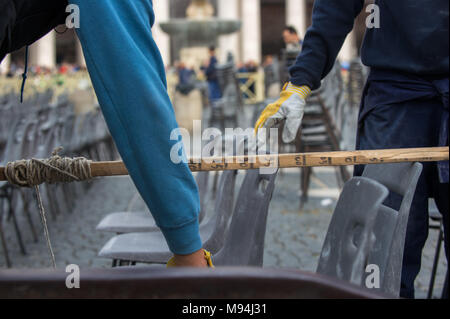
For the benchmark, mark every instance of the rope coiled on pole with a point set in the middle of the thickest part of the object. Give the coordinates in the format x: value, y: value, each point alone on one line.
x: 56, y: 169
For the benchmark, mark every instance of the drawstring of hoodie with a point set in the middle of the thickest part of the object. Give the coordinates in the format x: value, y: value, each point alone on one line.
x: 24, y: 75
x: 25, y: 71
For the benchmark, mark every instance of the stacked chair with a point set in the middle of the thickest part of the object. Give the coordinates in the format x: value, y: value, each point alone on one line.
x: 326, y: 126
x: 321, y: 126
x: 226, y: 111
x: 363, y: 231
x: 33, y: 130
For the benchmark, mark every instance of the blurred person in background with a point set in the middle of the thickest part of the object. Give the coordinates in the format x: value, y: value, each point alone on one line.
x: 186, y: 79
x: 291, y: 38
x: 210, y: 72
x: 271, y: 77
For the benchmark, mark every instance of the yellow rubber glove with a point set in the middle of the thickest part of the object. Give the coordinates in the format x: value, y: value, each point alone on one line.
x: 171, y: 262
x: 290, y: 107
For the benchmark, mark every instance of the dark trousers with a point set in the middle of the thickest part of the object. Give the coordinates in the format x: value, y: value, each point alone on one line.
x: 402, y: 122
x: 214, y: 91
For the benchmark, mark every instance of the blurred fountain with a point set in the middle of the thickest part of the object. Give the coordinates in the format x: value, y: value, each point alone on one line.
x: 192, y: 36
x: 199, y: 30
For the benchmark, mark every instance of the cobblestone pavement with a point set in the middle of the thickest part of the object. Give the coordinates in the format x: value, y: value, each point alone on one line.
x: 293, y: 239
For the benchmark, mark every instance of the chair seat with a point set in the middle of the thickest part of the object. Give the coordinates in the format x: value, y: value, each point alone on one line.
x: 148, y: 247
x: 127, y: 222
x: 139, y: 247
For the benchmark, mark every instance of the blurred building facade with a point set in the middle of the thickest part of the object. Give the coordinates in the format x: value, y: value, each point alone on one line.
x: 263, y: 22
x: 262, y: 25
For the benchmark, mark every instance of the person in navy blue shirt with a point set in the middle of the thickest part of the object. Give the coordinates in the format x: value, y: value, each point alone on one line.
x: 211, y: 76
x: 404, y: 103
x: 186, y: 79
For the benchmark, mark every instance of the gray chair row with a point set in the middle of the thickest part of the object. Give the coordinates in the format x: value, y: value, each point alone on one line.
x: 235, y: 238
x: 34, y: 129
x: 152, y: 247
x: 362, y: 232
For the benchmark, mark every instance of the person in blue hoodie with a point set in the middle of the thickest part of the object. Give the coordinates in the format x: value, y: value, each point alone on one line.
x: 128, y: 76
x: 404, y: 103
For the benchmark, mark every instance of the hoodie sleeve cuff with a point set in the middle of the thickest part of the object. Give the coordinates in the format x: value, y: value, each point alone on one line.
x: 183, y: 240
x: 303, y: 91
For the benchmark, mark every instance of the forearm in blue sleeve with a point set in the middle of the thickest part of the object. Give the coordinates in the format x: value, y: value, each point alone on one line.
x: 128, y: 75
x: 332, y: 20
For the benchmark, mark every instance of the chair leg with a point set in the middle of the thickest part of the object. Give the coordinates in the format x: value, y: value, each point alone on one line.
x: 13, y: 216
x: 340, y: 177
x: 344, y: 173
x: 216, y: 178
x: 4, y: 247
x: 26, y: 210
x: 51, y: 203
x: 435, y: 262
x: 66, y: 198
x: 305, y: 182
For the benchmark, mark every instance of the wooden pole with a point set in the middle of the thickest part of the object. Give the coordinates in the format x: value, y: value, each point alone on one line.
x: 343, y: 158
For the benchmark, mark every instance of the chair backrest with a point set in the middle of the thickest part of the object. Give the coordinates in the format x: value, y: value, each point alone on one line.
x: 244, y: 245
x: 182, y: 283
x: 396, y: 177
x: 400, y: 179
x: 384, y: 230
x: 350, y: 237
x: 202, y: 179
x: 217, y: 225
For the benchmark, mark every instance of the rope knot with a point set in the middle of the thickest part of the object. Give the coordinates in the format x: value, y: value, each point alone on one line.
x: 56, y: 169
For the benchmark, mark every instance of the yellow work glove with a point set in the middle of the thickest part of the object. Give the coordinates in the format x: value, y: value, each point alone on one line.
x: 290, y: 107
x: 171, y: 262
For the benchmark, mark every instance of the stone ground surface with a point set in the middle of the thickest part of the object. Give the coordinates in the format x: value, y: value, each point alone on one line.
x: 293, y: 239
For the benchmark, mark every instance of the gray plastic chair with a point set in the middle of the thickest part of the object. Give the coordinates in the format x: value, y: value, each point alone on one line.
x: 350, y: 235
x: 152, y: 247
x: 141, y: 222
x: 244, y: 245
x: 401, y: 179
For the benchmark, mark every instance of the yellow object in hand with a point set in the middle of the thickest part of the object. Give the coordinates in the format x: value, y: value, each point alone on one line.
x: 290, y: 107
x: 171, y: 262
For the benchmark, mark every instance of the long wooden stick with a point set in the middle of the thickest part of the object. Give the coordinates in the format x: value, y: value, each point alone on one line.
x: 344, y: 158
